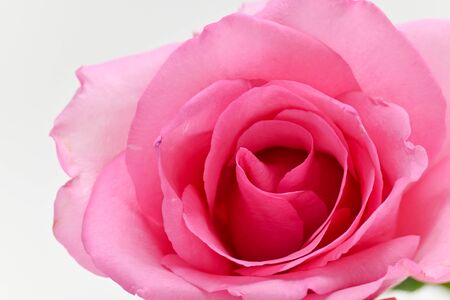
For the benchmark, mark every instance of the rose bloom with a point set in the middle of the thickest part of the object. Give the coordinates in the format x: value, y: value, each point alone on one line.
x: 294, y: 150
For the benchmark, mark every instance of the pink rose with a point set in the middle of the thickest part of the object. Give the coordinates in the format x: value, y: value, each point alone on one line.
x: 294, y: 150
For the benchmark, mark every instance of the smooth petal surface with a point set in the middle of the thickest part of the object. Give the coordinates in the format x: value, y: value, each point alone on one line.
x: 367, y: 168
x: 262, y: 226
x: 237, y: 47
x: 69, y: 208
x: 389, y: 128
x: 425, y: 211
x: 322, y: 281
x: 187, y: 245
x: 124, y: 245
x: 253, y: 7
x: 432, y: 39
x: 94, y: 127
x: 383, y: 61
x: 91, y: 130
x: 185, y: 142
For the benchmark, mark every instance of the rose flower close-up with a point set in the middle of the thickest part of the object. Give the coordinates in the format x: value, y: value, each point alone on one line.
x: 296, y: 149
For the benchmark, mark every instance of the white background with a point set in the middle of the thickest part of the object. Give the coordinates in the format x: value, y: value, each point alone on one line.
x: 41, y: 44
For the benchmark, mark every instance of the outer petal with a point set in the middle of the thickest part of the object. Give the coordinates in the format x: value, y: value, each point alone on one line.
x: 94, y: 127
x: 425, y: 211
x: 124, y: 245
x: 253, y: 7
x: 69, y: 209
x: 383, y: 61
x: 91, y: 130
x: 432, y: 39
x: 323, y: 281
x: 237, y: 47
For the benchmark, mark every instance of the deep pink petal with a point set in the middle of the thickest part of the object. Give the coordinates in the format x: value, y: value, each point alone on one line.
x: 275, y: 133
x: 262, y: 227
x: 366, y: 166
x: 383, y: 61
x: 187, y: 245
x: 237, y: 47
x: 257, y: 104
x: 319, y: 173
x: 91, y: 130
x: 124, y: 245
x: 432, y: 39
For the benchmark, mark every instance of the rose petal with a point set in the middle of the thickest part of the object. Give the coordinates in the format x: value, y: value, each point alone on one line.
x: 389, y: 128
x: 193, y: 250
x: 237, y: 47
x: 253, y: 7
x: 425, y: 211
x: 281, y: 145
x: 432, y: 39
x: 383, y: 61
x: 124, y: 245
x: 255, y: 105
x: 69, y: 208
x: 333, y: 277
x: 91, y: 130
x: 262, y: 227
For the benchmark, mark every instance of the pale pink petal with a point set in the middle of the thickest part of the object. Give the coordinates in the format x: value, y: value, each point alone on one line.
x: 319, y: 173
x: 267, y: 137
x: 199, y: 223
x: 383, y: 61
x: 124, y: 245
x: 261, y: 175
x: 91, y: 130
x: 326, y: 136
x: 394, y: 275
x: 357, y: 269
x: 425, y: 211
x: 432, y: 39
x: 253, y: 7
x: 94, y: 127
x: 69, y: 209
x: 237, y: 47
